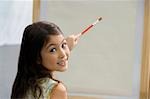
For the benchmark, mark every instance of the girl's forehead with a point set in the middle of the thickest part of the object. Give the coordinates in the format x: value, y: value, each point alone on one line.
x: 55, y: 39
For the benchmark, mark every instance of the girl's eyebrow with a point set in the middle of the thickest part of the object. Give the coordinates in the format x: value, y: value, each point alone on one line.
x: 53, y: 44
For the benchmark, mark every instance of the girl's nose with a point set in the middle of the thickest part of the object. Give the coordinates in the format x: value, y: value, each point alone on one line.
x: 62, y: 54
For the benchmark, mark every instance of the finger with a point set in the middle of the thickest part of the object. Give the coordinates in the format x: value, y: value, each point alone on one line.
x: 78, y: 35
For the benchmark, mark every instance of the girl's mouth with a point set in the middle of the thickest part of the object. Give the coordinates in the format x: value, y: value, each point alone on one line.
x: 62, y: 63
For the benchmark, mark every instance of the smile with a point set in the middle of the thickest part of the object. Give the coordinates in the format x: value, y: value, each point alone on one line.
x: 62, y: 63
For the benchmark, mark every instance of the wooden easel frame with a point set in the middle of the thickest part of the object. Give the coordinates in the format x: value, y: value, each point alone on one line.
x: 145, y: 68
x: 36, y: 10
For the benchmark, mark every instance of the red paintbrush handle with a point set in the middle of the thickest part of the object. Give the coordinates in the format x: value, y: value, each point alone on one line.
x: 87, y: 29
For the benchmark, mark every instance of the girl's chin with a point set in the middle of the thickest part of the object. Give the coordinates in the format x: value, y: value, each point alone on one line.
x: 61, y: 68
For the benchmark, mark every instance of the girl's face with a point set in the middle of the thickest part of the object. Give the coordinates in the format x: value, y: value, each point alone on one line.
x: 55, y: 54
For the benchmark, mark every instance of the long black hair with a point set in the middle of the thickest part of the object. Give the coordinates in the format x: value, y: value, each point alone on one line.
x: 29, y: 70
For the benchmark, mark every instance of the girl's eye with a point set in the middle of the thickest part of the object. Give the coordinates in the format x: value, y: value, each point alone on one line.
x: 53, y: 50
x: 64, y: 45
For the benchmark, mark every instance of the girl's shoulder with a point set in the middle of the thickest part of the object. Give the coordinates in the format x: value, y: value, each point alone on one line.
x: 59, y: 92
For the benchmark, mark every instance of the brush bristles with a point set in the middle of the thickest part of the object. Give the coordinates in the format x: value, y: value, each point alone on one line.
x: 100, y: 18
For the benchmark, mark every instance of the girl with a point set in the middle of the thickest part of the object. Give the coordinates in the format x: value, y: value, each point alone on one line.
x: 43, y: 51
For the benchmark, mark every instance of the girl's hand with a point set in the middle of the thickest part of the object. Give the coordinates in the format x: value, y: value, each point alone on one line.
x: 72, y: 40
